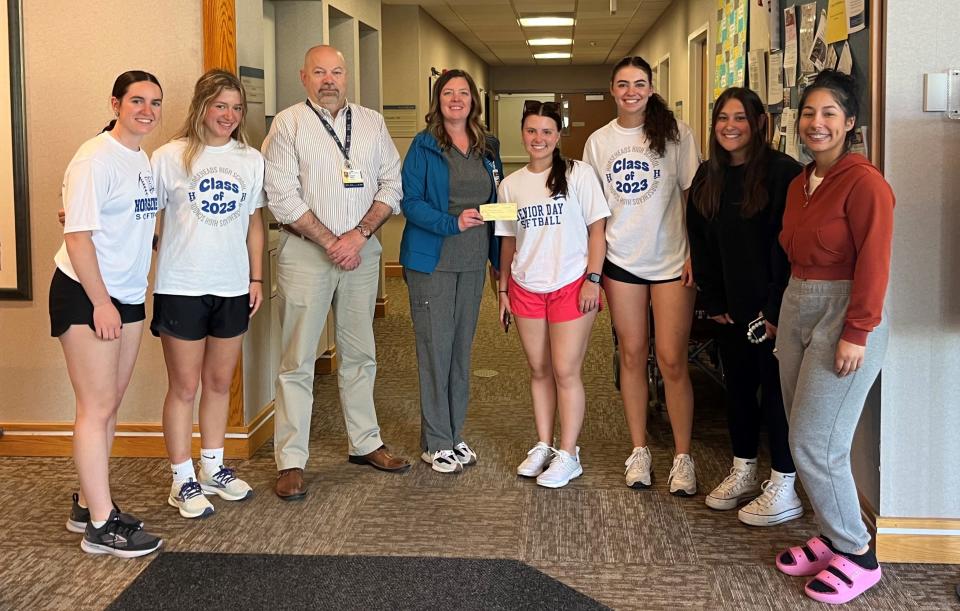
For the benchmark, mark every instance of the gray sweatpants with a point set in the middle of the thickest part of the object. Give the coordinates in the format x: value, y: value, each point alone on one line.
x: 444, y: 307
x: 822, y: 408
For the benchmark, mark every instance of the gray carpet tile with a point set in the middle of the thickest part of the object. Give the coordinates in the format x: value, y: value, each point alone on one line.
x: 628, y: 549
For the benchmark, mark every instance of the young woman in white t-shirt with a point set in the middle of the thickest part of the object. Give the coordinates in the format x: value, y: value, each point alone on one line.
x: 96, y: 300
x: 209, y: 282
x: 646, y: 160
x: 550, y: 261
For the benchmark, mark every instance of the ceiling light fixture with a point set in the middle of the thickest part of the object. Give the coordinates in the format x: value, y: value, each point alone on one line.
x: 551, y: 55
x: 536, y: 22
x: 544, y: 42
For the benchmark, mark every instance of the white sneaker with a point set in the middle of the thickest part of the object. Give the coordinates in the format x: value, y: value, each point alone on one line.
x: 638, y: 474
x: 225, y: 484
x: 465, y: 456
x: 741, y: 485
x: 536, y: 461
x: 442, y: 461
x: 683, y: 476
x: 562, y: 469
x: 779, y: 503
x: 188, y: 498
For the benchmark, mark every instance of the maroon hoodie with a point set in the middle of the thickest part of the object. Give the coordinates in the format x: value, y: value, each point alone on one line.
x: 843, y: 232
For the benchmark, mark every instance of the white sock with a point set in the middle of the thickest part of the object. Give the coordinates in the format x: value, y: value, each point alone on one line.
x: 97, y: 524
x: 782, y: 479
x: 744, y: 464
x: 211, y: 460
x: 183, y: 472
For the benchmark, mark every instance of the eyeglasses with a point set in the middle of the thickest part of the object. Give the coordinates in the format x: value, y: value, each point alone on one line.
x: 534, y: 106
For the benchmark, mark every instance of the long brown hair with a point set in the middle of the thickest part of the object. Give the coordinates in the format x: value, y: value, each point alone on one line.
x: 475, y: 128
x: 659, y: 123
x: 557, y: 179
x: 208, y: 87
x: 708, y: 191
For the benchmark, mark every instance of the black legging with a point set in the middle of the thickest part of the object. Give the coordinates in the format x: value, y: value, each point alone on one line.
x: 748, y: 368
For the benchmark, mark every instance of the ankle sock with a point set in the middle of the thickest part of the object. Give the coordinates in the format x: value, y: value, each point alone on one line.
x: 183, y: 472
x: 211, y: 460
x: 98, y: 524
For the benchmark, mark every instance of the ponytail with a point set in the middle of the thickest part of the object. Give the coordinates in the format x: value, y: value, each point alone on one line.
x: 557, y: 179
x: 110, y: 126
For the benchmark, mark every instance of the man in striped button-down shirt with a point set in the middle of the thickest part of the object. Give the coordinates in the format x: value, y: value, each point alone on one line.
x: 332, y: 178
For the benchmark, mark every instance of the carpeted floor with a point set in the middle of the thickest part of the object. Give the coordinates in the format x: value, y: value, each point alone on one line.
x: 625, y: 549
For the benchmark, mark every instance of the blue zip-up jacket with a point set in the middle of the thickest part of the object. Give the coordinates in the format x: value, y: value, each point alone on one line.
x: 426, y: 200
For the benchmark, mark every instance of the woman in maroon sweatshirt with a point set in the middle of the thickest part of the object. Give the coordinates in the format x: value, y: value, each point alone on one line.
x: 837, y: 230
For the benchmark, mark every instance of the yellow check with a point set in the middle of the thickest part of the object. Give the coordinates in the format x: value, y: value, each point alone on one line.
x: 498, y: 212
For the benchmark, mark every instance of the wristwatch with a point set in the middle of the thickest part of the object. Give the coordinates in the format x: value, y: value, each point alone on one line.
x: 364, y: 231
x: 594, y: 278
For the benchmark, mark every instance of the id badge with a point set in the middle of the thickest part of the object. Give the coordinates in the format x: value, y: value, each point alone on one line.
x: 352, y: 179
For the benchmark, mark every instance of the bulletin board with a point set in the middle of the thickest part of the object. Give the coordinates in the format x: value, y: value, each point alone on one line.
x: 731, y: 49
x: 867, y: 66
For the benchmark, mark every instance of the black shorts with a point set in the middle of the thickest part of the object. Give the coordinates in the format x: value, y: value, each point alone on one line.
x: 69, y: 305
x: 196, y: 317
x: 615, y: 272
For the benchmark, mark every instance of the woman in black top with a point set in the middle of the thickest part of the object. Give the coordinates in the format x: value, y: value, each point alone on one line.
x: 734, y: 215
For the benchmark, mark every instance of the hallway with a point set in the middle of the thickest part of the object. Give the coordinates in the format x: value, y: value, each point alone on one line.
x: 627, y: 549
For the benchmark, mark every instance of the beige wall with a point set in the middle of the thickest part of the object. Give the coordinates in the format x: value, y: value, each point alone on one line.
x: 71, y: 60
x: 669, y: 35
x: 413, y: 42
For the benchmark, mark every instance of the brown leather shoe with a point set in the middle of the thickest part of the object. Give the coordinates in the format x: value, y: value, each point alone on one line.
x: 382, y: 459
x: 289, y: 486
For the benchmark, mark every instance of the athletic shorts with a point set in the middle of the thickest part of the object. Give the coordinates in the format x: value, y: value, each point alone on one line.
x: 69, y: 305
x: 560, y: 305
x: 196, y: 317
x: 615, y: 272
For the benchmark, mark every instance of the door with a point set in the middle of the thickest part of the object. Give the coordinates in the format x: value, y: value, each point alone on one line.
x: 584, y: 114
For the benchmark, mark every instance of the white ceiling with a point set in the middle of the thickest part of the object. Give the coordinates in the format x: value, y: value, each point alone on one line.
x: 490, y: 28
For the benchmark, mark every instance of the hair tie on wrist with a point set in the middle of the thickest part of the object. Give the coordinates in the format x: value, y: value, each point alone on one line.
x: 256, y: 280
x: 501, y: 291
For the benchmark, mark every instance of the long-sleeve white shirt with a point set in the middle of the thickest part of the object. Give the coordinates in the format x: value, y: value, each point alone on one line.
x: 304, y: 166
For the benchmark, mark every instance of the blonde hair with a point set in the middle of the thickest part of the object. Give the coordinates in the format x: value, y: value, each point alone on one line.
x: 475, y: 127
x: 208, y: 88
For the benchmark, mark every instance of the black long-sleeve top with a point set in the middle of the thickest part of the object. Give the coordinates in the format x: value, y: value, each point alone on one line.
x: 738, y: 263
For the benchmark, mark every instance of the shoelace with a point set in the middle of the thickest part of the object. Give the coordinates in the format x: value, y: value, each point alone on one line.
x: 770, y: 493
x: 732, y: 480
x: 462, y: 449
x: 539, y: 449
x: 190, y: 490
x: 559, y: 457
x: 683, y: 465
x: 224, y: 476
x: 117, y: 526
x: 638, y: 456
x: 445, y: 455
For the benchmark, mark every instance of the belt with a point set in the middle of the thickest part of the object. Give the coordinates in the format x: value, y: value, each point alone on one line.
x: 291, y: 231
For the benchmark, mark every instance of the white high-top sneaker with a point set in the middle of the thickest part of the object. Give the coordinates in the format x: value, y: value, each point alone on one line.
x: 779, y: 502
x: 741, y: 485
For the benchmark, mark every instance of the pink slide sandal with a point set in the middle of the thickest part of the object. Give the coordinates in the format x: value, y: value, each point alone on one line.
x: 802, y: 565
x: 856, y: 581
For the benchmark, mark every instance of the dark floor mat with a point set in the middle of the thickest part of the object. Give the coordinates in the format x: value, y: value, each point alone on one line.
x: 260, y: 581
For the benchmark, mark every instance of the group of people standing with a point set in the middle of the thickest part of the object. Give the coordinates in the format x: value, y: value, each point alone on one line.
x: 790, y: 263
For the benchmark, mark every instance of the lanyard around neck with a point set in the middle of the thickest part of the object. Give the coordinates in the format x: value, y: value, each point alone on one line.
x: 345, y: 145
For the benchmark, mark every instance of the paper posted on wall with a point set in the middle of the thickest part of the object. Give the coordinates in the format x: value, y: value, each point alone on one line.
x: 831, y: 62
x: 856, y: 15
x: 775, y: 78
x: 790, y: 46
x: 860, y: 142
x: 757, y: 67
x: 845, y: 64
x: 836, y: 21
x: 808, y: 22
x: 818, y: 53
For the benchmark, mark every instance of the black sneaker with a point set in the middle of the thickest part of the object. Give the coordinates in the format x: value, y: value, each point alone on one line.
x: 79, y: 516
x: 119, y: 538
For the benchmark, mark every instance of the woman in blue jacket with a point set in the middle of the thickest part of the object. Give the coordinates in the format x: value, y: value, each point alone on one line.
x: 452, y: 167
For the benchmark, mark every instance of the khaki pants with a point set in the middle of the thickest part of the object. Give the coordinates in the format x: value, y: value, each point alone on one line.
x: 308, y: 283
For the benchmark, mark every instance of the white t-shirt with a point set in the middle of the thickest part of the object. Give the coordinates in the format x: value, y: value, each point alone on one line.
x: 645, y: 234
x: 551, y: 232
x: 203, y: 246
x: 109, y: 191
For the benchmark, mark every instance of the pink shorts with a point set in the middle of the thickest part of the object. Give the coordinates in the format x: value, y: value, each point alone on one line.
x: 560, y: 305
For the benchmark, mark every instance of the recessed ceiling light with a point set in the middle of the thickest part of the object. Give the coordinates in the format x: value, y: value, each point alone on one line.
x: 535, y: 22
x: 551, y: 56
x: 543, y: 42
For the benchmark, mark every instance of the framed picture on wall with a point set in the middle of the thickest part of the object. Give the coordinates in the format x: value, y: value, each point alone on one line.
x: 15, y: 282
